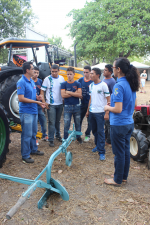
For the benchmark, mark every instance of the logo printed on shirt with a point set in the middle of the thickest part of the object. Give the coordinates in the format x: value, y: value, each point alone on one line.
x: 38, y: 86
x: 99, y: 91
x: 34, y: 87
x: 75, y: 87
x: 116, y: 92
x: 18, y: 87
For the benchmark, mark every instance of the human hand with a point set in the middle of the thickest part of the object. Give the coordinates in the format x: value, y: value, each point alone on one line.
x: 106, y: 116
x: 46, y: 105
x: 87, y: 114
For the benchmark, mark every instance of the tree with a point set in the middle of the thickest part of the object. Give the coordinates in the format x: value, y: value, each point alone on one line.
x: 111, y: 28
x: 54, y: 40
x: 14, y: 15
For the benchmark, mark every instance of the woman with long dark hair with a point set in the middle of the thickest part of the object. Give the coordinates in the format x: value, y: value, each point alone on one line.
x: 123, y: 101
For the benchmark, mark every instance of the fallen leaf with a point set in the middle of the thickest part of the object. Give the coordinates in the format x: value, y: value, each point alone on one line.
x: 130, y: 200
x: 59, y: 171
x: 137, y: 167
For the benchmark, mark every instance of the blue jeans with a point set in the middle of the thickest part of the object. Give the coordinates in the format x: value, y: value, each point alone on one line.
x: 28, y: 135
x: 70, y: 110
x: 120, y: 140
x: 43, y: 122
x: 54, y: 115
x: 97, y: 121
x: 83, y: 112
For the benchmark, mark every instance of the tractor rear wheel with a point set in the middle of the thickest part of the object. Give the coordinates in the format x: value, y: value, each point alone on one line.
x: 4, y: 135
x: 138, y: 146
x: 9, y: 97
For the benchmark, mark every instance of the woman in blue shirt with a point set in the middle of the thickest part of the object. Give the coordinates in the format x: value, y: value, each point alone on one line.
x: 123, y: 101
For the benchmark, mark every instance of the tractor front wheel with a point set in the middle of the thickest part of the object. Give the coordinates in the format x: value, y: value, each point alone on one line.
x: 138, y: 146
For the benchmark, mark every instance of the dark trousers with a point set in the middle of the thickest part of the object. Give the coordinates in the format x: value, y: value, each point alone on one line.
x: 97, y: 121
x: 120, y: 140
x: 107, y: 131
x: 84, y: 108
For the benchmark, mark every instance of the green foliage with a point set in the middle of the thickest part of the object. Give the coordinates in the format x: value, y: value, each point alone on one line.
x: 111, y: 28
x: 3, y: 55
x: 13, y: 17
x: 54, y: 40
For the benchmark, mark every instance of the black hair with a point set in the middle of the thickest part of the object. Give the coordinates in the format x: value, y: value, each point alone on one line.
x: 55, y: 67
x: 70, y: 68
x: 97, y: 71
x: 87, y: 68
x: 109, y: 67
x: 26, y: 66
x: 36, y: 68
x: 130, y: 72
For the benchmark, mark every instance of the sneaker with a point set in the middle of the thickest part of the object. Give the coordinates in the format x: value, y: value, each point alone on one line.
x: 79, y: 139
x: 59, y: 139
x: 45, y: 138
x: 51, y: 144
x: 37, y: 153
x: 28, y: 160
x: 86, y: 139
x: 94, y: 149
x: 37, y: 143
x: 102, y: 157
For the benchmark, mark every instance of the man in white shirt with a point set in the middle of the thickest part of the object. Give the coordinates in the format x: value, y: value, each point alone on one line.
x: 99, y: 96
x: 54, y: 103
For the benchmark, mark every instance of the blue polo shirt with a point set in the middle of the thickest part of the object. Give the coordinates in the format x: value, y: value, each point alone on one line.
x: 28, y: 89
x: 71, y: 87
x: 122, y: 93
x: 85, y: 90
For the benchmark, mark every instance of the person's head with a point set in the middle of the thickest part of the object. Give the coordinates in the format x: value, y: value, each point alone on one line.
x: 95, y: 74
x: 144, y: 71
x: 36, y: 73
x: 55, y: 70
x: 108, y: 71
x: 86, y: 71
x: 28, y: 68
x: 70, y: 74
x: 122, y: 67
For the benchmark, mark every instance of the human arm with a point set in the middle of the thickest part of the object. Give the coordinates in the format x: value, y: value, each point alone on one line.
x: 27, y: 100
x: 116, y: 109
x: 87, y: 113
x: 64, y: 94
x: 43, y: 99
x: 77, y: 93
x: 106, y: 116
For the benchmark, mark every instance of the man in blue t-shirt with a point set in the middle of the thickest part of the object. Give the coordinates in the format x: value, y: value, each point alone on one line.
x: 41, y: 116
x: 71, y: 92
x: 110, y: 81
x: 85, y: 82
x: 26, y: 91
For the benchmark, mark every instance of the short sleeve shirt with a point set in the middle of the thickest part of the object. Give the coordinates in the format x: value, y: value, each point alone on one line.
x: 52, y: 86
x: 122, y: 93
x: 28, y: 89
x: 71, y: 87
x: 110, y: 83
x: 85, y: 90
x: 98, y: 93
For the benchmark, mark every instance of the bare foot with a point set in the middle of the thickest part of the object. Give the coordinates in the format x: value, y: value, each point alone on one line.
x: 122, y: 180
x: 111, y: 182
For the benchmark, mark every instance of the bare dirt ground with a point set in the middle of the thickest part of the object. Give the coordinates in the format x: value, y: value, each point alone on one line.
x: 91, y: 201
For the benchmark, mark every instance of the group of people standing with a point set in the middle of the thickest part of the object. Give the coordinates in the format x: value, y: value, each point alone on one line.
x: 95, y: 95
